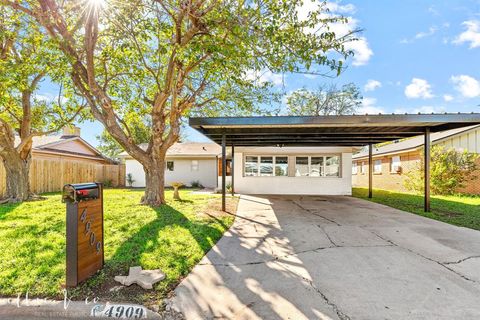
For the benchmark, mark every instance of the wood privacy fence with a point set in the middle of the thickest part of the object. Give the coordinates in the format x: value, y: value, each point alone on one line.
x: 51, y: 175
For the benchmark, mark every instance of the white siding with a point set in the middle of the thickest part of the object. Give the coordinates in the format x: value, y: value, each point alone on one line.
x: 469, y: 141
x: 206, y: 174
x: 294, y: 185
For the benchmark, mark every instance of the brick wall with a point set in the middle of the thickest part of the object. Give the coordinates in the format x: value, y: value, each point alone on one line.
x: 387, y: 180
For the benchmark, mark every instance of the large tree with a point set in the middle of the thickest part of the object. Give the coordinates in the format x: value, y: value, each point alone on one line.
x: 165, y: 59
x: 325, y: 100
x: 26, y: 59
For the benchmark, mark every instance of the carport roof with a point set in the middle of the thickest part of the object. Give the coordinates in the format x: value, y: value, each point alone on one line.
x: 344, y: 130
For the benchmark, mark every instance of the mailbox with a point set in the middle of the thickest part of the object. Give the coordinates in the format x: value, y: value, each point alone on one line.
x: 85, y: 254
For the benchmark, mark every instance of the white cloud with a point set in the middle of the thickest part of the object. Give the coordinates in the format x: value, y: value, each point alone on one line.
x: 360, y: 47
x: 369, y: 106
x: 447, y: 97
x: 371, y: 85
x: 468, y: 86
x: 265, y: 76
x: 418, y: 88
x: 337, y: 7
x: 471, y: 35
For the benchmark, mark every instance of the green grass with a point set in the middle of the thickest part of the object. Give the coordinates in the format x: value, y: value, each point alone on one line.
x: 459, y: 210
x: 173, y: 238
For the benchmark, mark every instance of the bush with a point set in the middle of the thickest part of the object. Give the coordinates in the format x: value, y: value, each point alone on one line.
x: 108, y: 183
x: 449, y: 170
x: 196, y: 184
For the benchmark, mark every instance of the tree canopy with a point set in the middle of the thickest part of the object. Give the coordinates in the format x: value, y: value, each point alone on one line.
x: 325, y: 100
x: 161, y: 60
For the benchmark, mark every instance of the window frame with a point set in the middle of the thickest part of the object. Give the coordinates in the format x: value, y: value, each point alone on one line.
x: 375, y: 166
x: 392, y: 170
x: 259, y: 157
x: 324, y: 156
x: 192, y: 165
x: 167, y: 167
x: 355, y: 168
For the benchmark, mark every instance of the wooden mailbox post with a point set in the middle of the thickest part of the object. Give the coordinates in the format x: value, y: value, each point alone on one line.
x: 85, y: 255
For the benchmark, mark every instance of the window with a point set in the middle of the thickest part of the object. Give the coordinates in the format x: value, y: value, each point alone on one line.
x: 170, y: 165
x: 281, y: 166
x: 355, y: 168
x: 364, y: 168
x: 317, y: 166
x: 251, y: 166
x: 266, y: 166
x: 194, y: 165
x: 395, y: 164
x: 377, y: 166
x: 301, y: 166
x: 332, y: 166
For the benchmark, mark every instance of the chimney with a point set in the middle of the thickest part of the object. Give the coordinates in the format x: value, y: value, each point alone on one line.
x: 71, y: 131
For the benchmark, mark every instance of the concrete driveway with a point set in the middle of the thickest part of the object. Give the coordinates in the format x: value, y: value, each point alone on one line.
x: 292, y: 257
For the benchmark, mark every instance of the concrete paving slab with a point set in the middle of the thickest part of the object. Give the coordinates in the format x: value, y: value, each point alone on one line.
x: 297, y: 257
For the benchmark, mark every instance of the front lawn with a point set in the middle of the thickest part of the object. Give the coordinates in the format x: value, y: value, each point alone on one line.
x: 173, y: 238
x: 460, y: 210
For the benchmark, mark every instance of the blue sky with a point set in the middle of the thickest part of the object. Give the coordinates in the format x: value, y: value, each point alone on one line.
x: 413, y: 56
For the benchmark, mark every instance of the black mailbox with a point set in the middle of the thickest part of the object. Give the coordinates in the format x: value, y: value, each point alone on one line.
x: 84, y: 231
x: 81, y: 192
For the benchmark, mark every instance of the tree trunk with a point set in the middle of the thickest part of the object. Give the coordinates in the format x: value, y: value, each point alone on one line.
x: 155, y: 184
x: 17, y: 176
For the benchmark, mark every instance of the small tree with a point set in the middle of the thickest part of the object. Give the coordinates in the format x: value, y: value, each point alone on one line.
x: 325, y: 100
x: 449, y: 171
x: 130, y: 180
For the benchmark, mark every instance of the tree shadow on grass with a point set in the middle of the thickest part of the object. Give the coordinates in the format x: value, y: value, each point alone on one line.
x: 6, y: 208
x: 164, y: 243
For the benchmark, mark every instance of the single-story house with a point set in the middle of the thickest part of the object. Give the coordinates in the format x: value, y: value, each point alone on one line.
x: 66, y: 146
x: 306, y: 170
x: 393, y: 160
x: 186, y: 162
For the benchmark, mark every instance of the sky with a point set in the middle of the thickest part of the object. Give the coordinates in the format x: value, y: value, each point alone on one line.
x: 412, y: 56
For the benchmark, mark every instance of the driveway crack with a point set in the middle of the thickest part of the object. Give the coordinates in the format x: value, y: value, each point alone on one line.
x: 461, y: 260
x: 444, y: 265
x: 313, y: 211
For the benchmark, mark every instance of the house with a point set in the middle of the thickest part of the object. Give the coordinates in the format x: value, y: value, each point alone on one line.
x: 186, y: 162
x: 67, y: 146
x: 393, y: 160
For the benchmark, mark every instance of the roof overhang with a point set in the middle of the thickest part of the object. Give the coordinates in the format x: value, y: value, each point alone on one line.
x: 343, y: 130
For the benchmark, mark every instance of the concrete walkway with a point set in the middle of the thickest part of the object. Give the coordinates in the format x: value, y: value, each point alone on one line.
x: 334, y: 258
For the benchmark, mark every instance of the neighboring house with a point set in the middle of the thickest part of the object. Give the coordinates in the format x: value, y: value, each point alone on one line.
x: 67, y: 146
x: 186, y: 162
x: 393, y: 160
x: 66, y: 158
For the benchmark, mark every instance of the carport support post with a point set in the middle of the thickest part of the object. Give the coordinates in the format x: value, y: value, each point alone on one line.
x: 370, y: 171
x: 427, y: 169
x: 232, y: 170
x: 224, y: 169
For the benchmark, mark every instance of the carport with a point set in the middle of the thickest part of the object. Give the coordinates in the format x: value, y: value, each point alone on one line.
x: 342, y: 130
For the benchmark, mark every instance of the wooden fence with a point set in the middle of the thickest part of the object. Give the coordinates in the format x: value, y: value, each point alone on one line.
x: 47, y: 175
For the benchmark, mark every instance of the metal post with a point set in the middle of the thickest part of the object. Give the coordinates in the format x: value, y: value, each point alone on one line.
x: 427, y: 169
x: 224, y: 170
x: 232, y: 170
x: 370, y: 170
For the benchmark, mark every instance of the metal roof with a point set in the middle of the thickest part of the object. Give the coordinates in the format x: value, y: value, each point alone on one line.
x: 343, y: 130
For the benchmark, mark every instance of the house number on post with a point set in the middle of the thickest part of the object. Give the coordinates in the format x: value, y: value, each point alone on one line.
x: 85, y: 254
x: 88, y: 230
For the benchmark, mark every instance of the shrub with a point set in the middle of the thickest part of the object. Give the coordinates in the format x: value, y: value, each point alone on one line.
x: 196, y: 184
x: 449, y: 170
x: 108, y: 183
x: 130, y: 180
